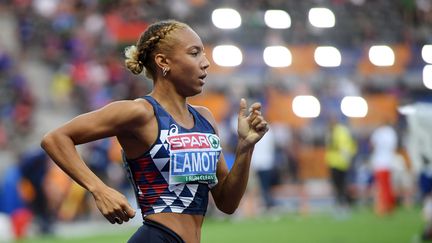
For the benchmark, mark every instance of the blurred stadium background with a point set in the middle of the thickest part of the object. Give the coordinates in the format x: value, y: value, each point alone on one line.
x: 306, y: 61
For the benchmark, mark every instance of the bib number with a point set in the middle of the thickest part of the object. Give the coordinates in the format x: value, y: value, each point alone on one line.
x: 193, y: 158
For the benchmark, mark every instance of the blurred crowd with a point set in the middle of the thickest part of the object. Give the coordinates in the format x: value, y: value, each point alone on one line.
x: 81, y: 44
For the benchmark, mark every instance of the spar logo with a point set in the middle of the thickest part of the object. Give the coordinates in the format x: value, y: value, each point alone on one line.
x: 193, y: 141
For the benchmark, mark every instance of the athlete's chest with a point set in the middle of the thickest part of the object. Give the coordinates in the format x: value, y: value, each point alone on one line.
x: 189, y: 156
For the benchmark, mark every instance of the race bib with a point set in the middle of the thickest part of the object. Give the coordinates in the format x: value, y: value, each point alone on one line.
x: 193, y: 157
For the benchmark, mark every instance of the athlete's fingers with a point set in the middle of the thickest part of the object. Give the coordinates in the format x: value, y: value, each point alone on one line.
x: 120, y: 214
x: 253, y: 115
x: 110, y: 218
x: 118, y: 217
x: 263, y: 126
x: 129, y: 211
x: 255, y: 107
x: 254, y: 111
x: 256, y: 120
x: 114, y: 216
x: 243, y: 107
x: 118, y: 220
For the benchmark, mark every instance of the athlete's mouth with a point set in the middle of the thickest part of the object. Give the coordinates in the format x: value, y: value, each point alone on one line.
x: 203, y: 76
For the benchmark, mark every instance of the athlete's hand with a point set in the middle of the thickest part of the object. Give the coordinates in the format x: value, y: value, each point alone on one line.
x: 113, y: 205
x: 252, y: 126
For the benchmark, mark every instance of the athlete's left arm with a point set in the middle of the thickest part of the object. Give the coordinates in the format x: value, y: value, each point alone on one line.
x: 232, y: 184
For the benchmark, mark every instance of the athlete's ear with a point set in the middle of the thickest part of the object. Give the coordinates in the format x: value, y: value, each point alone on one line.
x: 161, y: 61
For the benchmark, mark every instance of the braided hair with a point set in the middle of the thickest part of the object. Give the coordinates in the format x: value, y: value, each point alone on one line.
x: 156, y: 38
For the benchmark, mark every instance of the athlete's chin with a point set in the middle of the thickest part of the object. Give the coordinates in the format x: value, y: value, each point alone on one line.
x: 198, y: 92
x: 201, y: 81
x: 194, y: 92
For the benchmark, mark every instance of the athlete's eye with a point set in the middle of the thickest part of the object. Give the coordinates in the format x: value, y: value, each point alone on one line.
x: 195, y: 51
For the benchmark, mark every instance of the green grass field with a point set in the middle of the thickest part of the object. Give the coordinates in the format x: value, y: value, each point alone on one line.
x: 363, y: 226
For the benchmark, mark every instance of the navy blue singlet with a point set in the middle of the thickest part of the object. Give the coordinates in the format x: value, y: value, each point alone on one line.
x: 177, y: 172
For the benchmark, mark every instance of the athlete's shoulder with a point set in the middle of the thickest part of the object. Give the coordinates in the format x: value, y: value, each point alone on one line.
x: 206, y: 113
x: 133, y: 109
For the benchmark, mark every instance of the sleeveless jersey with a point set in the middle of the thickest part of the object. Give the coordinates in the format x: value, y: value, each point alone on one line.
x: 177, y: 172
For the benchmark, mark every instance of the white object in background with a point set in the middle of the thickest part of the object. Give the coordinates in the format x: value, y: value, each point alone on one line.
x: 6, y: 233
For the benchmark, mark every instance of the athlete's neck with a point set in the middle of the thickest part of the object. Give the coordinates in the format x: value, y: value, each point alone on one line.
x: 175, y: 105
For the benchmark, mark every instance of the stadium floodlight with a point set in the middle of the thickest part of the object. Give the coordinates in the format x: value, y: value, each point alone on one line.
x: 427, y: 76
x: 381, y: 55
x: 277, y: 19
x: 427, y: 53
x: 277, y: 56
x: 354, y: 106
x: 322, y: 18
x: 327, y: 56
x: 226, y: 18
x: 306, y: 106
x: 227, y: 55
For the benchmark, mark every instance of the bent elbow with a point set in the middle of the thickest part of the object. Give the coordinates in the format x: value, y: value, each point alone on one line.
x: 224, y: 203
x: 228, y: 209
x: 47, y: 141
x: 230, y: 212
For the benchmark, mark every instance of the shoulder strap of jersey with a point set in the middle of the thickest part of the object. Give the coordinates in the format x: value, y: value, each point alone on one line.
x: 198, y: 115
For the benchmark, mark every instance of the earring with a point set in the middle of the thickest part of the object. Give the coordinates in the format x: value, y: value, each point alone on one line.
x: 164, y: 71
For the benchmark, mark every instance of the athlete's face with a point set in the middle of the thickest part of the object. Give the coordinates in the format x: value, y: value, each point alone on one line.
x: 188, y: 62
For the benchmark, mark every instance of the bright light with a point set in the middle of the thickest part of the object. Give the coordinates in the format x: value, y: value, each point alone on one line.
x: 327, y: 56
x: 277, y: 19
x: 226, y: 18
x: 381, y: 55
x: 427, y: 76
x: 354, y: 106
x: 407, y: 110
x: 277, y: 56
x: 306, y: 106
x: 427, y: 53
x: 322, y: 17
x: 227, y: 55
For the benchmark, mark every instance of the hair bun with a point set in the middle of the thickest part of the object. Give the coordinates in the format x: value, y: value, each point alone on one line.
x: 132, y: 62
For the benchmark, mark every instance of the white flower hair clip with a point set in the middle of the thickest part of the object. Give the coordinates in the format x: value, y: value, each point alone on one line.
x: 131, y: 51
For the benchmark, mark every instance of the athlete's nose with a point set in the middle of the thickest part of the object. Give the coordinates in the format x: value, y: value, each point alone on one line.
x: 205, y: 63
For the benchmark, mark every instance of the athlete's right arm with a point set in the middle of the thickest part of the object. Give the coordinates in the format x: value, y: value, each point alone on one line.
x: 112, y: 120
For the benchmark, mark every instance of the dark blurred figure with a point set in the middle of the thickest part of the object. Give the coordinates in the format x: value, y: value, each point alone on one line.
x: 34, y: 167
x: 263, y: 163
